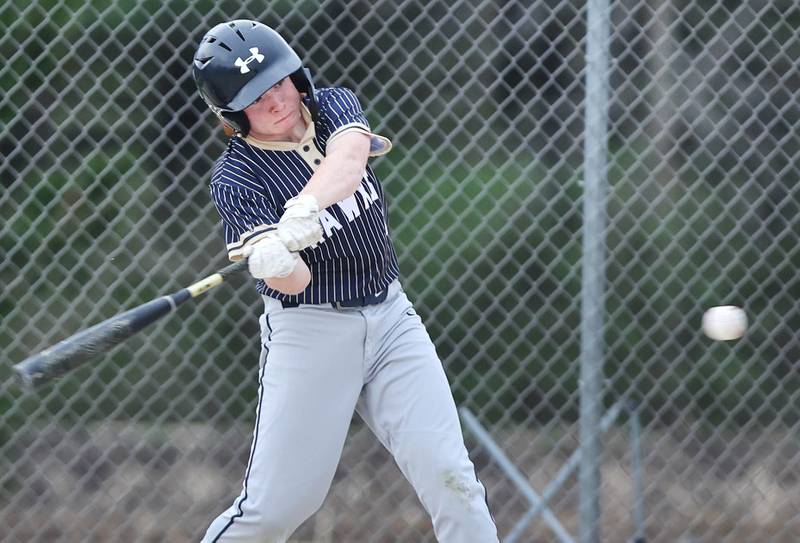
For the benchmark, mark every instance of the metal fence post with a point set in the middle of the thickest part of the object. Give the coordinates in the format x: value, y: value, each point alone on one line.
x: 591, y: 368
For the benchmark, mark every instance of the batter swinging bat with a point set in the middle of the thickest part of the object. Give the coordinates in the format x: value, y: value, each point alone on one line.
x: 100, y: 338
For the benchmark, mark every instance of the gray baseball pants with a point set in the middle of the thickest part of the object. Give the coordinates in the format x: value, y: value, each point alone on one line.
x: 319, y: 364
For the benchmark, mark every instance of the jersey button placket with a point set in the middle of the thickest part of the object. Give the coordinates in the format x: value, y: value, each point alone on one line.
x: 310, y: 154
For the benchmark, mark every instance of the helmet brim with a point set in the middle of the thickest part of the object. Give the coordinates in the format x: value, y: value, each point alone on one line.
x: 261, y: 82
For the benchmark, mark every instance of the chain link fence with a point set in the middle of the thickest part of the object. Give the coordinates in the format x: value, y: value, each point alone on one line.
x: 106, y: 152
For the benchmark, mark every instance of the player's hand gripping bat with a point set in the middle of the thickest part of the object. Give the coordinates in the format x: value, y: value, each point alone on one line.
x: 100, y: 338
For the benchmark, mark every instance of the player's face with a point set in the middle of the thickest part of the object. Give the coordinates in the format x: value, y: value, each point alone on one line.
x: 276, y: 115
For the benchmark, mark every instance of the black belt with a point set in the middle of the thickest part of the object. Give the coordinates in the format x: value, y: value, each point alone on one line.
x: 369, y: 299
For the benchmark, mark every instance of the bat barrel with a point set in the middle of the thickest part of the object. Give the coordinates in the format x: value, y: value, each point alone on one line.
x: 100, y: 338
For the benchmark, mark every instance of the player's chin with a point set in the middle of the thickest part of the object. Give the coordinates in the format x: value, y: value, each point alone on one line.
x: 287, y: 120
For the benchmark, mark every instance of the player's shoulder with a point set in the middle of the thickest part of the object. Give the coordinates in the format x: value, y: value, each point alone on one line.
x: 331, y: 93
x: 336, y: 98
x: 235, y: 153
x: 232, y: 164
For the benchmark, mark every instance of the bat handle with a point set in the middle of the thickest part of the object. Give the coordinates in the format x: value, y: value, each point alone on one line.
x: 234, y: 268
x: 209, y: 282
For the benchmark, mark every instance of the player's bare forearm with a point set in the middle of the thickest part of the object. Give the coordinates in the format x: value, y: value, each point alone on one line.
x: 294, y: 283
x: 340, y: 173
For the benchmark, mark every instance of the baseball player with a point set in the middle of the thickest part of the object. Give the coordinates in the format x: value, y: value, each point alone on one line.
x: 338, y: 333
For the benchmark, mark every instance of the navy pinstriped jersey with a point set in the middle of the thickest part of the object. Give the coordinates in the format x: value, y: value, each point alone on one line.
x: 252, y: 181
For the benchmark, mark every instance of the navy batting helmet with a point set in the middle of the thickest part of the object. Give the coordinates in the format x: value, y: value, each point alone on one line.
x: 239, y: 61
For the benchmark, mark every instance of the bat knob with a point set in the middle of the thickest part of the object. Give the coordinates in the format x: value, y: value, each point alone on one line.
x: 25, y: 379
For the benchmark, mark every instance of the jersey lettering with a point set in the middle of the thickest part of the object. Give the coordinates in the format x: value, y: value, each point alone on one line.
x: 349, y: 207
x: 367, y: 191
x: 329, y: 223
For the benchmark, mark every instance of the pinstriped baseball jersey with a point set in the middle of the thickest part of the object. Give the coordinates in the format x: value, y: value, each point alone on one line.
x: 253, y: 179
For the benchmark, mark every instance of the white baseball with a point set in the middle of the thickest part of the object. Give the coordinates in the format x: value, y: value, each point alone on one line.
x: 724, y: 322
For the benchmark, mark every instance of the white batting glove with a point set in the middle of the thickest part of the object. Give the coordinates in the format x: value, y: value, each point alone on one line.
x: 269, y: 257
x: 299, y: 226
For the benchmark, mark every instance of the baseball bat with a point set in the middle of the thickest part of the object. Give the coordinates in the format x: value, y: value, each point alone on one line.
x: 79, y: 348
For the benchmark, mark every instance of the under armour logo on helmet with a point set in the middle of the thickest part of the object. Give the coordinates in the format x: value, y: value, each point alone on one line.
x: 242, y: 64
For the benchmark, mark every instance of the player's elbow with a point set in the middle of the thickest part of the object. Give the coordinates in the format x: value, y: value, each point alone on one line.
x: 349, y: 154
x: 357, y: 172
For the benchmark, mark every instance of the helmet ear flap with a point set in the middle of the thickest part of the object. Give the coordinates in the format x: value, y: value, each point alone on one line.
x: 304, y: 83
x: 237, y: 121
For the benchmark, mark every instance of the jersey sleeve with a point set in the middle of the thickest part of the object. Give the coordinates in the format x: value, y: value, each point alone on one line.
x: 247, y: 215
x: 342, y: 113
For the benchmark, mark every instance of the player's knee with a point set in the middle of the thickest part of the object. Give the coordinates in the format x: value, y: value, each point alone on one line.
x: 278, y: 522
x: 271, y: 529
x: 445, y: 474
